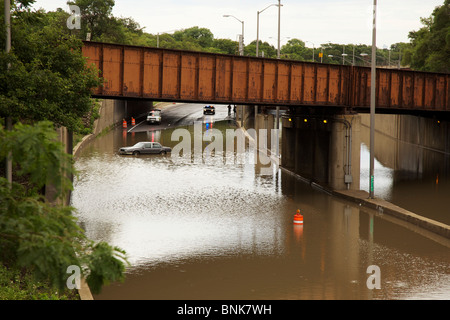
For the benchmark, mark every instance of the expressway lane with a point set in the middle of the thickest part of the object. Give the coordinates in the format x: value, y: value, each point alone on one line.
x: 183, y: 114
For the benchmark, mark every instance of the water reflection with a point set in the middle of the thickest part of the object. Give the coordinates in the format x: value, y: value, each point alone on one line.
x: 220, y: 230
x: 413, y: 177
x: 384, y: 176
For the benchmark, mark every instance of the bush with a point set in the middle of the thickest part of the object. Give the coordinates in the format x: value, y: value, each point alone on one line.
x: 16, y: 284
x: 43, y: 236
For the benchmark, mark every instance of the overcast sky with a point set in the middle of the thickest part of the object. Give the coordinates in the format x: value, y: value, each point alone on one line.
x: 314, y: 21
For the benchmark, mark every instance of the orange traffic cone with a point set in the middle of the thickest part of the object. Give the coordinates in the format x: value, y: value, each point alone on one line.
x: 124, y: 124
x: 298, y: 218
x: 133, y: 122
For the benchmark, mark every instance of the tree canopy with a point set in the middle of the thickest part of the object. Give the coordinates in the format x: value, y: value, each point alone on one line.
x: 40, y: 235
x: 45, y: 81
x: 430, y: 45
x: 45, y: 76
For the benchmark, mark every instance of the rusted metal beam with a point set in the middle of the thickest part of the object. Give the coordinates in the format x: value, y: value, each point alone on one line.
x: 177, y: 75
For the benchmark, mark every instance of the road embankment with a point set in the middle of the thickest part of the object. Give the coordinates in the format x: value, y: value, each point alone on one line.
x: 362, y: 198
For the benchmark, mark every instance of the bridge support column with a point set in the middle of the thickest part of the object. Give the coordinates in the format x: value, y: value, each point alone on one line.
x: 345, y: 150
x: 256, y: 118
x: 242, y: 114
x: 277, y: 127
x: 265, y: 122
x: 325, y: 150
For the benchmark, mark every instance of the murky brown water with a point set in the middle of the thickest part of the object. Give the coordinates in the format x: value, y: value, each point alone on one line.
x: 411, y: 176
x: 220, y: 230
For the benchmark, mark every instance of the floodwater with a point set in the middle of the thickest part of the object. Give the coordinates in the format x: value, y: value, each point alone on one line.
x: 216, y: 228
x: 412, y: 177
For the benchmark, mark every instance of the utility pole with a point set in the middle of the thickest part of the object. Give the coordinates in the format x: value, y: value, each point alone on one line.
x: 279, y: 24
x: 257, y: 27
x: 373, y: 99
x: 257, y: 33
x: 241, y: 42
x: 8, y: 120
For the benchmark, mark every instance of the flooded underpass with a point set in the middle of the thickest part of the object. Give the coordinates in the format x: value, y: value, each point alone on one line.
x: 220, y: 229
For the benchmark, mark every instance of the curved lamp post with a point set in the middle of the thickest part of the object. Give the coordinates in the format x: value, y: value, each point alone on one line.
x: 242, y: 37
x: 257, y: 26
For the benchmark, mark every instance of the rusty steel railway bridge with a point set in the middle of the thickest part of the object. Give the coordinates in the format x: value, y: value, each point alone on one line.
x: 132, y: 72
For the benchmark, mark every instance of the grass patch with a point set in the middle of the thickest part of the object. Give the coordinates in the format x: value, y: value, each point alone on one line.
x: 18, y: 284
x: 77, y: 137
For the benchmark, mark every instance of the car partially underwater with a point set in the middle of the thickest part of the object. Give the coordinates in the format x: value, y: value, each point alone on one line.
x: 154, y: 116
x: 145, y: 148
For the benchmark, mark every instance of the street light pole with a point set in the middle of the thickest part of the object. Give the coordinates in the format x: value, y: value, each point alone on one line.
x: 279, y: 24
x: 257, y: 32
x: 257, y: 27
x: 242, y: 37
x: 373, y: 99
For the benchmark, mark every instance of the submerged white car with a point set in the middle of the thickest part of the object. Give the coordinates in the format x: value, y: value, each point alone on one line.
x: 154, y: 116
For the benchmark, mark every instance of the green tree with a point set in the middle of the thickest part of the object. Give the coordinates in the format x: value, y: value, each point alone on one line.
x: 43, y: 236
x: 201, y: 36
x: 400, y: 54
x: 332, y: 52
x: 166, y: 41
x: 430, y: 45
x: 268, y: 49
x: 226, y: 46
x: 296, y: 49
x: 96, y: 18
x: 45, y: 76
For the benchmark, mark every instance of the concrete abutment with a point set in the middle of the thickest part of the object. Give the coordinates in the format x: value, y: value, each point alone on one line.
x: 325, y: 150
x: 112, y: 113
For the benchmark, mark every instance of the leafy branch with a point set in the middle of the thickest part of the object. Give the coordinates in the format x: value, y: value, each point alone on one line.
x: 39, y: 234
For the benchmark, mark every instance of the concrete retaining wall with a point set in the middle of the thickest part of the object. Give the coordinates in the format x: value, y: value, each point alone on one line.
x: 112, y: 113
x: 424, y: 132
x: 409, y: 143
